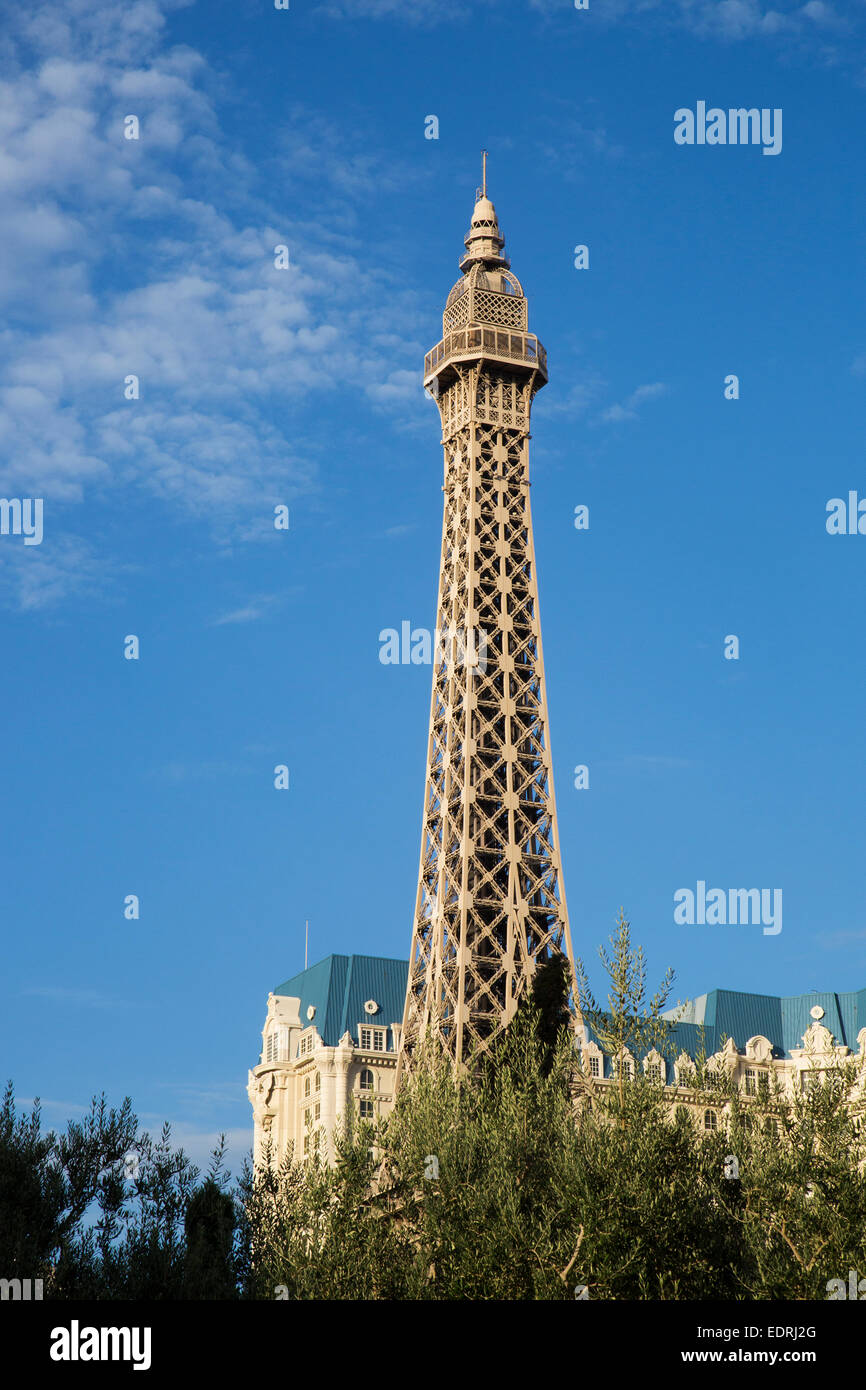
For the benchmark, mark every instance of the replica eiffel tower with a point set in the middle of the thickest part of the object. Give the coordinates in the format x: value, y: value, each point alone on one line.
x: 491, y: 903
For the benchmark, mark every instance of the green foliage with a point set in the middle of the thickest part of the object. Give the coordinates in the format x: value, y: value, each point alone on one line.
x: 551, y: 989
x: 801, y: 1192
x: 103, y: 1211
x: 522, y: 1178
x: 518, y: 1177
x: 209, y: 1229
x: 527, y: 1203
x: 48, y: 1182
x: 630, y: 1022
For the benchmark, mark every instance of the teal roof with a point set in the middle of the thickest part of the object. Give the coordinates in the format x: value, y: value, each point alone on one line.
x: 728, y: 1013
x: 338, y: 988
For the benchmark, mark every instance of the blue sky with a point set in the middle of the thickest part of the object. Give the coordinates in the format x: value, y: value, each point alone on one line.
x: 259, y: 387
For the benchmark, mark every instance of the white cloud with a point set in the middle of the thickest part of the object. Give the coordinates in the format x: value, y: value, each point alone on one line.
x: 199, y: 1144
x: 251, y: 612
x: 120, y: 263
x: 788, y: 21
x: 649, y: 762
x: 578, y: 399
x: 82, y: 998
x: 62, y: 567
x: 177, y: 773
x: 628, y: 409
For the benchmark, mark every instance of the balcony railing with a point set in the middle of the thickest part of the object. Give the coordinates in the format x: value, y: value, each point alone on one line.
x: 488, y: 342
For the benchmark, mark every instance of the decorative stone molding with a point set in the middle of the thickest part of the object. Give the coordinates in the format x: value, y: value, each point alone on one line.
x: 726, y: 1061
x: 684, y: 1070
x: 654, y: 1058
x: 589, y: 1050
x: 759, y: 1049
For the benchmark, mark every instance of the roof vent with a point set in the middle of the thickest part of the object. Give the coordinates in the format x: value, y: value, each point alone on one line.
x: 371, y: 1007
x: 311, y: 1012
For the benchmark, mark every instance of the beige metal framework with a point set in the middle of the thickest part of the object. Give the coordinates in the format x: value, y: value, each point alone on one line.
x: 491, y: 904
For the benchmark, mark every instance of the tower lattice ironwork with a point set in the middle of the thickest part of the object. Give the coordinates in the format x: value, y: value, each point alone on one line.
x: 491, y: 903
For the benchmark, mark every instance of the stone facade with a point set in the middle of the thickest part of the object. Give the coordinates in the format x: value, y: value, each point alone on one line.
x: 324, y: 1060
x: 756, y: 1070
x: 302, y: 1087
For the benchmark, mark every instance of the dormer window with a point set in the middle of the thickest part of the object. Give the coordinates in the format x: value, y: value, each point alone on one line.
x: 275, y: 1046
x: 372, y: 1039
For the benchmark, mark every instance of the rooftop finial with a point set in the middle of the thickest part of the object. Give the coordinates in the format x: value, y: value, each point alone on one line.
x: 484, y: 241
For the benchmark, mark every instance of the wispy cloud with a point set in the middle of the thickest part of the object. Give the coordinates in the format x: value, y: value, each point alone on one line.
x: 125, y: 259
x: 61, y: 1107
x: 199, y: 1144
x: 62, y: 566
x: 81, y: 998
x: 844, y: 939
x: 577, y: 399
x: 815, y: 28
x: 647, y: 762
x: 204, y: 771
x: 209, y: 1096
x: 405, y: 529
x: 257, y: 608
x: 569, y: 138
x: 628, y: 409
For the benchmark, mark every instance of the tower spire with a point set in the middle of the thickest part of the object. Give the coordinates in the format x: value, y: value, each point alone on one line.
x: 484, y: 242
x: 490, y: 906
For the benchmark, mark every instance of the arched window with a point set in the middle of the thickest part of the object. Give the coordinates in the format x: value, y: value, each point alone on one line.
x: 318, y: 1081
x: 711, y: 1119
x: 306, y: 1085
x: 365, y: 1081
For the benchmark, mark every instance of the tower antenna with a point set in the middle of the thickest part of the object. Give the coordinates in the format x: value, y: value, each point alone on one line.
x: 484, y: 173
x: 306, y: 942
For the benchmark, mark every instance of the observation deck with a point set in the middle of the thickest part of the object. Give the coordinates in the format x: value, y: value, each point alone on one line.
x: 491, y: 345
